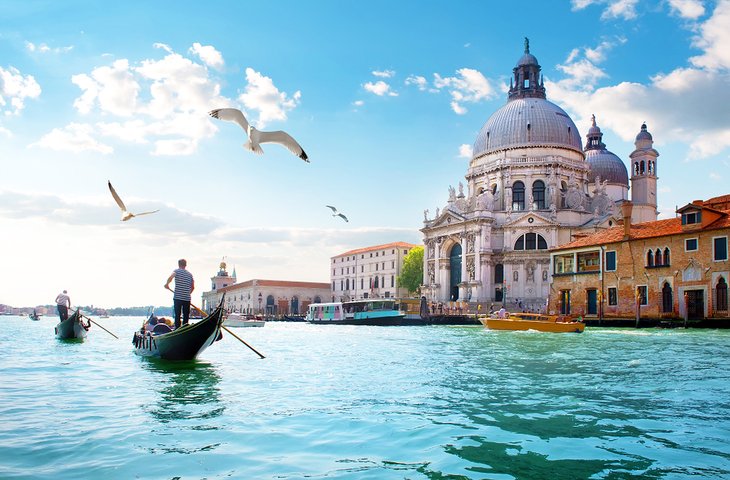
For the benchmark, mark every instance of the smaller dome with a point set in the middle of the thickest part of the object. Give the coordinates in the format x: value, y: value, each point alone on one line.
x: 607, y: 166
x: 644, y: 134
x: 527, y: 59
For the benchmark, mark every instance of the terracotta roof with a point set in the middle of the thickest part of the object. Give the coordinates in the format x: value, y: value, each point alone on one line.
x: 377, y: 247
x: 659, y: 228
x: 275, y: 283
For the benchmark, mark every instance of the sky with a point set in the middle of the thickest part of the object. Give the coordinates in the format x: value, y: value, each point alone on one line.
x: 385, y: 97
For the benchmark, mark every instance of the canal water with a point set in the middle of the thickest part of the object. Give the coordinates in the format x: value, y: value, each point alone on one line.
x: 343, y: 402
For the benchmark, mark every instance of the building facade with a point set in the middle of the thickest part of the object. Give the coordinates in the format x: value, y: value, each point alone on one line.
x: 530, y: 186
x: 674, y: 268
x: 266, y: 297
x: 370, y: 272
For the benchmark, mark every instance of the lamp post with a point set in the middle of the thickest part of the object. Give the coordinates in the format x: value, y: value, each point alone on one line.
x: 260, y: 311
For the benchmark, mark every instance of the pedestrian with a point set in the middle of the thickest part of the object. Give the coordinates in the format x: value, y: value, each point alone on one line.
x: 63, y: 303
x: 184, y: 286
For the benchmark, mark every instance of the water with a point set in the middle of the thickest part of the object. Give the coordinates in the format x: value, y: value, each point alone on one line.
x: 340, y: 402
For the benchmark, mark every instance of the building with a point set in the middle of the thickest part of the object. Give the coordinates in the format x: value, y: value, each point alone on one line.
x: 370, y: 272
x: 530, y: 186
x: 258, y: 296
x: 661, y: 269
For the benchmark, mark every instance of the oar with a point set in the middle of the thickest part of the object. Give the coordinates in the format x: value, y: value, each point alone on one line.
x: 107, y: 331
x: 229, y: 331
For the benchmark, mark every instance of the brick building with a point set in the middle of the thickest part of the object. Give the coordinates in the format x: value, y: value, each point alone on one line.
x: 662, y: 269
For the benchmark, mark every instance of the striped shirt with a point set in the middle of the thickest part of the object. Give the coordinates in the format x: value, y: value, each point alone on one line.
x: 62, y: 299
x: 183, y: 284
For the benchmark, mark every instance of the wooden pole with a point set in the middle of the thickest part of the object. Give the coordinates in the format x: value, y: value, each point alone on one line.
x: 107, y: 331
x: 202, y: 312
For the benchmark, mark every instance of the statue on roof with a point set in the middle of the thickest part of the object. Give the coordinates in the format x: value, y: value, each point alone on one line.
x: 527, y: 45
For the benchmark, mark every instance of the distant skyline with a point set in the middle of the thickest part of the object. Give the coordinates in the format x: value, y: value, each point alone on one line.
x: 386, y: 98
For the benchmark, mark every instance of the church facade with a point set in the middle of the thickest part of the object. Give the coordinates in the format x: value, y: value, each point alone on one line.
x: 530, y: 186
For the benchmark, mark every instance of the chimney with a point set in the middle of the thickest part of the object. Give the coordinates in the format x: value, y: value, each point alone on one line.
x: 626, y: 209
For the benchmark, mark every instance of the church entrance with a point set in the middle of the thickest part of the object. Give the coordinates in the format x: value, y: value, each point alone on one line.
x: 455, y: 274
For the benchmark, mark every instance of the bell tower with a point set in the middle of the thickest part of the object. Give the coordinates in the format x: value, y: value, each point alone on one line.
x: 643, y: 178
x: 222, y: 279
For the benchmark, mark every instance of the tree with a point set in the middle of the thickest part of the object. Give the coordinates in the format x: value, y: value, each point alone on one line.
x: 411, y: 276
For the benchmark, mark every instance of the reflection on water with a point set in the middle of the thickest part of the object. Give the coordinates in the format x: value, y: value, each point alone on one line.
x: 188, y: 390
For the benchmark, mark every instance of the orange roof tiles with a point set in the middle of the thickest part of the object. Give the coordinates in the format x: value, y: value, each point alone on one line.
x: 377, y: 247
x: 659, y: 228
x: 276, y: 283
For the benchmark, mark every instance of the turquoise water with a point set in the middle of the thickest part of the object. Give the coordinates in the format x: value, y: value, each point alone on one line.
x: 367, y: 403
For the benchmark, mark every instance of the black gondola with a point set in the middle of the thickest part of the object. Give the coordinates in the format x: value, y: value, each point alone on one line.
x: 72, y: 327
x: 184, y: 343
x: 34, y: 316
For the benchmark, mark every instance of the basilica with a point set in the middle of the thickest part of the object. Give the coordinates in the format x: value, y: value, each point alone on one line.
x: 531, y: 186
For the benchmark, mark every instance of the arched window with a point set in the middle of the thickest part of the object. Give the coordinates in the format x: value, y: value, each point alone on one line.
x: 538, y: 194
x: 518, y: 196
x: 641, y: 167
x: 494, y: 189
x: 563, y: 192
x: 347, y: 284
x: 650, y: 259
x: 667, y: 303
x: 531, y: 241
x: 499, y: 273
x: 666, y: 256
x: 658, y: 258
x: 721, y: 295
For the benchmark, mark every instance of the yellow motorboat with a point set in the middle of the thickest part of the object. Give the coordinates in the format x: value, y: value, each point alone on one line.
x: 532, y: 321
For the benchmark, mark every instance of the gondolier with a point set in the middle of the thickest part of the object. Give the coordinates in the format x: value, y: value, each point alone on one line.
x: 184, y: 286
x: 63, y: 303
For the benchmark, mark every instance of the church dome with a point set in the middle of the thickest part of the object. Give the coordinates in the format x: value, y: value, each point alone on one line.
x: 603, y: 164
x: 528, y: 122
x: 527, y: 59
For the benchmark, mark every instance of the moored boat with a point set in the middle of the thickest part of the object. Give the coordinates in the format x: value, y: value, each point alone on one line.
x: 377, y: 311
x: 532, y: 321
x: 240, y: 320
x: 72, y: 327
x: 184, y: 343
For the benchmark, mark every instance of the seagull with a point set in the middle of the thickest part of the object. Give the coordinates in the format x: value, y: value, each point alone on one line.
x: 126, y: 215
x: 256, y: 137
x: 335, y: 213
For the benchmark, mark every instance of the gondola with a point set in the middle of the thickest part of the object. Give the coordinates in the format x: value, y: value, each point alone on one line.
x: 72, y: 327
x: 184, y: 343
x: 34, y: 316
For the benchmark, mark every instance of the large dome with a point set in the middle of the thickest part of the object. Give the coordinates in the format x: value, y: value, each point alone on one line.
x: 604, y: 164
x: 528, y: 122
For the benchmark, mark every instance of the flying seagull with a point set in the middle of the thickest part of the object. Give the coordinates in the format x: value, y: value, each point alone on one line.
x: 257, y: 137
x: 126, y: 215
x: 335, y: 213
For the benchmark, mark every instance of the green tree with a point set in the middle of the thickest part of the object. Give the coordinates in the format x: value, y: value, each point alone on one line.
x: 411, y: 276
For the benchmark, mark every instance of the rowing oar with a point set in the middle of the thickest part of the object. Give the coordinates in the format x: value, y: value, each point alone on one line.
x: 229, y: 331
x: 107, y: 331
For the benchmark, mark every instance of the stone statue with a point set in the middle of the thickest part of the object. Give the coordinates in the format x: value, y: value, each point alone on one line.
x: 461, y: 189
x: 452, y: 194
x: 437, y: 212
x: 485, y: 201
x: 425, y: 215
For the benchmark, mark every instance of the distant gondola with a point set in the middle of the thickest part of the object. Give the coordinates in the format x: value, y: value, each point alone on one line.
x: 34, y: 316
x: 184, y: 343
x: 72, y: 327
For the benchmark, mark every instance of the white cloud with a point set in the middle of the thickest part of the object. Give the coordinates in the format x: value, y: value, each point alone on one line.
x: 263, y: 96
x: 625, y: 9
x: 465, y: 151
x: 715, y: 176
x: 418, y: 81
x: 44, y: 48
x: 162, y: 102
x: 208, y: 54
x: 14, y: 89
x: 358, y: 103
x: 74, y: 137
x: 470, y: 86
x: 690, y: 9
x: 714, y: 39
x: 379, y: 88
x: 384, y: 73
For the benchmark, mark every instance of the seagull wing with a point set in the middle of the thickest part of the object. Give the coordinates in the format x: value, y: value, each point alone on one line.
x: 116, y: 197
x: 334, y: 210
x: 145, y: 213
x: 231, y: 115
x: 343, y: 217
x: 285, y: 139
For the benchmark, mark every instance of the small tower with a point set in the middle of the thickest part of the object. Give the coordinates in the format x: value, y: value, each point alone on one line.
x: 643, y: 178
x: 527, y: 81
x: 221, y: 279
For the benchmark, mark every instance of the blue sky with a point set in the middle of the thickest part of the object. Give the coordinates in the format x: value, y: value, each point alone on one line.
x: 385, y: 97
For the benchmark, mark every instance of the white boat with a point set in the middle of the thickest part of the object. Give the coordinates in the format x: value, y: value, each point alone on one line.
x: 379, y: 311
x: 239, y: 320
